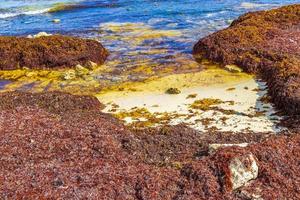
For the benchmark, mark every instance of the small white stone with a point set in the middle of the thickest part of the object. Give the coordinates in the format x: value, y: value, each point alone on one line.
x: 242, y: 170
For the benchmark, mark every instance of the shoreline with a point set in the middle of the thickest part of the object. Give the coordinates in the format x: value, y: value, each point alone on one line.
x: 210, y: 134
x: 140, y: 104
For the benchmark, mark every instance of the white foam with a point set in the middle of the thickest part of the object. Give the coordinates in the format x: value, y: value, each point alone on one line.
x: 33, y: 12
x: 249, y: 5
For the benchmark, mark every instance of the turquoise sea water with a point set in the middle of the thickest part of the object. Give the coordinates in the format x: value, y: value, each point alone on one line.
x: 195, y: 18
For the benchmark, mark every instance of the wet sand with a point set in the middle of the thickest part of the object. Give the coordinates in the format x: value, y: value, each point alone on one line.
x: 241, y: 104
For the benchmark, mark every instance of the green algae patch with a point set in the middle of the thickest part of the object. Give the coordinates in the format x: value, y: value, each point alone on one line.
x: 58, y: 7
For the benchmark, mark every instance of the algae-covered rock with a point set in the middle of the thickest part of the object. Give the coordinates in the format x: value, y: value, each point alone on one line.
x: 51, y: 52
x: 265, y: 43
x: 173, y: 91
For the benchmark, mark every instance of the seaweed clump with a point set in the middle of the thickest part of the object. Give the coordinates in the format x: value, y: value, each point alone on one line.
x: 205, y: 104
x: 265, y: 43
x: 82, y: 153
x: 173, y: 91
x: 49, y: 52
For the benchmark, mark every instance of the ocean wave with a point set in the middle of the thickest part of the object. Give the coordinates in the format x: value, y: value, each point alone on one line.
x: 53, y: 8
x: 14, y: 14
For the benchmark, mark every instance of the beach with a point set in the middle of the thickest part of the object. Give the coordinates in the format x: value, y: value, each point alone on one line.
x: 149, y: 99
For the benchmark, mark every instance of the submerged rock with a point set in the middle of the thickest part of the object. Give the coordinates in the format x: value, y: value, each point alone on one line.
x: 265, y: 43
x: 54, y: 51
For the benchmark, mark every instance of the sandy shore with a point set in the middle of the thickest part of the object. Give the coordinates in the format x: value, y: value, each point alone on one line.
x: 148, y: 104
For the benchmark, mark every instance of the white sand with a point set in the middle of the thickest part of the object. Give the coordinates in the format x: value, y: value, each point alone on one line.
x: 246, y: 101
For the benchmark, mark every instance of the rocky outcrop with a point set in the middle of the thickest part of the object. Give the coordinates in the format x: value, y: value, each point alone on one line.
x: 50, y: 52
x: 265, y: 43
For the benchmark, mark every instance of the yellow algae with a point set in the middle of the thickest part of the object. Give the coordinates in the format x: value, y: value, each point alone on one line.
x: 14, y: 85
x: 209, y: 77
x: 205, y: 104
x: 152, y: 107
x: 78, y: 81
x: 139, y: 29
x: 230, y: 89
x: 142, y: 117
x: 121, y: 27
x: 41, y: 86
x: 12, y: 75
x: 191, y: 96
x: 135, y: 33
x: 143, y: 70
x: 26, y: 74
x: 173, y: 91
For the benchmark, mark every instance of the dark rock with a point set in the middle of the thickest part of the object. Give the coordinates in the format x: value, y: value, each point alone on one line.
x: 265, y: 43
x: 173, y: 91
x: 49, y: 52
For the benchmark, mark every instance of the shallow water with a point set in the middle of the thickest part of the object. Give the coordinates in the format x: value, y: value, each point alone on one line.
x: 158, y: 34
